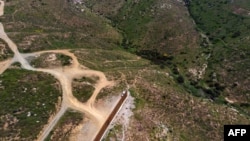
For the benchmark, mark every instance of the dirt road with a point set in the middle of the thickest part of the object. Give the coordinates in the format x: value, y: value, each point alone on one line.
x: 4, y: 65
x: 64, y: 75
x: 1, y: 8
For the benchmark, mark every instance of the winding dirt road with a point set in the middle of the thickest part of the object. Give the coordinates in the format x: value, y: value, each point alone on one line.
x: 65, y: 76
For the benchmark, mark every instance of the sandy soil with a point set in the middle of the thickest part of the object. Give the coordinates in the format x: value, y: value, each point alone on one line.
x: 4, y: 65
x: 123, y: 116
x: 85, y: 132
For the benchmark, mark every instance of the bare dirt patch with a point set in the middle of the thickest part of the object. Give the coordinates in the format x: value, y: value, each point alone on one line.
x: 241, y: 11
x: 66, y: 125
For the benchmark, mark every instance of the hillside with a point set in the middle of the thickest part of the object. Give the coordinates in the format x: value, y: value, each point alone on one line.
x: 186, y: 63
x: 228, y: 66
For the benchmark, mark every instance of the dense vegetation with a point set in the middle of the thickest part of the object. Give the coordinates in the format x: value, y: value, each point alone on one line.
x: 152, y: 25
x: 227, y: 27
x: 27, y: 101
